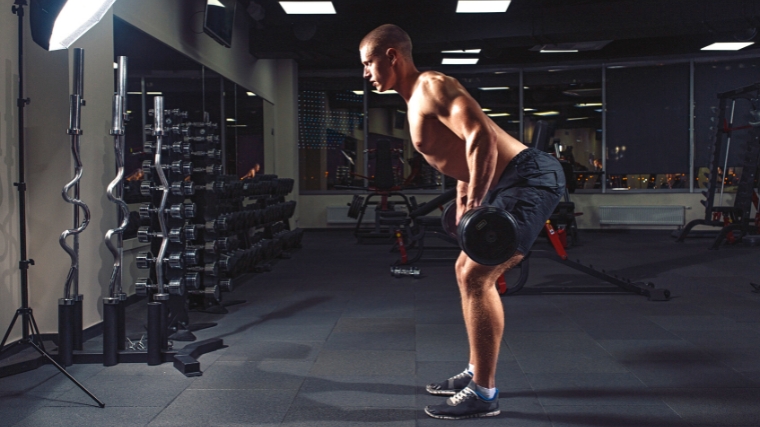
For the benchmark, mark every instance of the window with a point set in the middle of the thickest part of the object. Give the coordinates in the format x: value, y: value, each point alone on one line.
x: 331, y: 135
x: 570, y: 101
x: 710, y: 79
x: 648, y: 127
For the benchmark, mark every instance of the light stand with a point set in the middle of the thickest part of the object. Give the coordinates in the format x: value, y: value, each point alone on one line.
x: 30, y: 331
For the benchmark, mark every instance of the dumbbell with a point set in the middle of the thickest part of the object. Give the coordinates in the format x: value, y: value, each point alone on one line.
x: 181, y: 210
x: 193, y: 280
x: 145, y: 286
x: 178, y: 260
x: 150, y: 146
x: 206, y: 138
x: 213, y: 154
x: 182, y: 148
x: 182, y: 168
x: 212, y: 293
x: 183, y: 234
x: 182, y: 188
x: 487, y: 234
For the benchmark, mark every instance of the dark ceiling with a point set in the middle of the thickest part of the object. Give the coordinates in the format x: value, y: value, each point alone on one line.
x: 636, y: 29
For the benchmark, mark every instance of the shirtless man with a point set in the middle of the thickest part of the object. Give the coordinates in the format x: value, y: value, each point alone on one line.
x: 450, y: 130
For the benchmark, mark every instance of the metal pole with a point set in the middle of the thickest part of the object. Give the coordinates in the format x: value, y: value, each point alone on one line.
x: 24, y: 263
x: 603, y: 177
x: 522, y: 107
x: 365, y: 128
x: 144, y: 107
x: 728, y: 151
x: 78, y: 298
x: 223, y: 125
x: 203, y: 92
x: 691, y: 127
x: 158, y: 132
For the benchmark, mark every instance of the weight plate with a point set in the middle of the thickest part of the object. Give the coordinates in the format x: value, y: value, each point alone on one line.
x: 356, y: 207
x: 449, y: 219
x: 488, y: 235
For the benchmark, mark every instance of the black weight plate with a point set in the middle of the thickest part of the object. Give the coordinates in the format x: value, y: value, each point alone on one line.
x: 488, y: 235
x: 449, y: 219
x: 356, y: 206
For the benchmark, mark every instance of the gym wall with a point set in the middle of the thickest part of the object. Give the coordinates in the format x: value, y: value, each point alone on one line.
x: 49, y: 163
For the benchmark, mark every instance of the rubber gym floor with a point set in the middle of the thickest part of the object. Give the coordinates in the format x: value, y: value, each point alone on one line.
x: 330, y: 338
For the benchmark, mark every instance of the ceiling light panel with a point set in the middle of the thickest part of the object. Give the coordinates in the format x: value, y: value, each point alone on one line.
x: 494, y: 88
x: 482, y: 6
x: 727, y: 46
x: 559, y: 51
x: 474, y: 51
x: 308, y: 7
x: 459, y: 61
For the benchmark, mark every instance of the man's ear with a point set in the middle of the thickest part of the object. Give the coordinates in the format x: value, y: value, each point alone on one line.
x: 392, y: 55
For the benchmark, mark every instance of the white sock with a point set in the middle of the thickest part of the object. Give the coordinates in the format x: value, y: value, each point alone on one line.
x: 471, y: 369
x: 486, y: 393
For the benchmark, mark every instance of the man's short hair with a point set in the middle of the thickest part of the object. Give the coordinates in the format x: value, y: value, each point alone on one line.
x: 387, y: 36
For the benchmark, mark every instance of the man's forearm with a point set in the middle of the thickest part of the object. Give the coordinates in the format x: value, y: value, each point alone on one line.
x: 481, y: 159
x: 462, y: 193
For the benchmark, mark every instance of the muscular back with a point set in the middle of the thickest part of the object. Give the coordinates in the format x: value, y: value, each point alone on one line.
x: 442, y: 116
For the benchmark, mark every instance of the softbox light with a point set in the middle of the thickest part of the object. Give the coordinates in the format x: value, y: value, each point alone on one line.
x: 57, y: 24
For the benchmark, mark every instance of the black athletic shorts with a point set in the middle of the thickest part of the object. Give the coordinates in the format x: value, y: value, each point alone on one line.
x: 530, y: 189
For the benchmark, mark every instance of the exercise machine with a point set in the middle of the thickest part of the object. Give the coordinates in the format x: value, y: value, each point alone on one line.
x: 732, y: 220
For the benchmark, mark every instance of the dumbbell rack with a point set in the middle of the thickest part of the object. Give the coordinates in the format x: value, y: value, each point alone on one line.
x: 215, y: 237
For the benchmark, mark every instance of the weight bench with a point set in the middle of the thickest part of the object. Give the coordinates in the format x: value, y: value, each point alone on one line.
x: 412, y: 230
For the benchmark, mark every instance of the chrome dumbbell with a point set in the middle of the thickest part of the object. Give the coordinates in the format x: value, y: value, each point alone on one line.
x: 144, y: 235
x: 147, y: 167
x: 216, y: 186
x: 182, y: 188
x: 145, y: 260
x: 211, y: 269
x: 183, y: 234
x: 191, y: 232
x: 191, y: 256
x: 176, y: 286
x: 182, y: 148
x: 182, y: 210
x: 177, y: 235
x: 147, y: 187
x: 182, y: 168
x: 176, y: 261
x: 212, y: 293
x: 225, y: 285
x: 146, y: 209
x: 150, y: 146
x: 213, y: 170
x: 212, y: 154
x: 192, y: 281
x: 144, y: 286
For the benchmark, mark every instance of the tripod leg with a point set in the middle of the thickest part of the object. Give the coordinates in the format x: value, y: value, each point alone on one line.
x: 8, y: 332
x: 36, y: 331
x: 68, y: 375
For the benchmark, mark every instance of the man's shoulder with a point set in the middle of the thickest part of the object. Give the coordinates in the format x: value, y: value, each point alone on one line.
x: 433, y: 79
x: 434, y: 85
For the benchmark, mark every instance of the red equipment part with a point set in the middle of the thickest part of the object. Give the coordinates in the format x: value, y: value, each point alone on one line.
x: 401, y: 247
x: 555, y: 239
x: 501, y: 285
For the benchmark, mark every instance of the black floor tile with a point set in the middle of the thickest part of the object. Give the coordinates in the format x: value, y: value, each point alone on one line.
x: 714, y: 406
x: 226, y: 407
x: 619, y: 415
x: 321, y: 342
